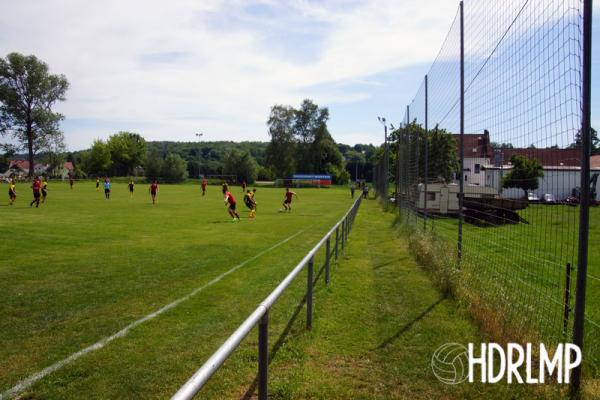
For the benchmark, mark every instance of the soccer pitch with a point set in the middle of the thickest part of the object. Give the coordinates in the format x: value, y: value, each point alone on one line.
x: 80, y: 269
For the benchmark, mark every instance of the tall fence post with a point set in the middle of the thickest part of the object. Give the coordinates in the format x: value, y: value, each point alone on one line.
x: 263, y: 357
x: 579, y: 314
x: 426, y: 173
x: 461, y: 193
x: 327, y: 262
x: 309, y: 293
x: 386, y: 175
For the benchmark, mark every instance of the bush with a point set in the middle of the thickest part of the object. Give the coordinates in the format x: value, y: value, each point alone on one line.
x: 340, y: 175
x: 153, y: 166
x: 174, y: 168
x: 265, y: 174
x: 241, y: 164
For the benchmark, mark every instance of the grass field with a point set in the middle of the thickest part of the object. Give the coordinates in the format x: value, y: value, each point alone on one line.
x: 522, y: 269
x: 81, y: 268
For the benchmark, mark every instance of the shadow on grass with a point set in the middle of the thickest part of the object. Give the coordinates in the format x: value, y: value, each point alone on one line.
x: 250, y: 393
x: 390, y: 262
x: 408, y: 326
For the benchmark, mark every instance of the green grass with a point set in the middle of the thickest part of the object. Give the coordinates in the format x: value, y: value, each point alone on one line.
x: 376, y: 328
x: 80, y: 268
x: 523, y: 267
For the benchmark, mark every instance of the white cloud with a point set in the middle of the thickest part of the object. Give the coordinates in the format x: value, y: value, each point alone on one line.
x: 175, y: 68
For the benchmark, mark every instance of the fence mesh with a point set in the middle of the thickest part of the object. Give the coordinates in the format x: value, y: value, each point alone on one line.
x: 517, y: 230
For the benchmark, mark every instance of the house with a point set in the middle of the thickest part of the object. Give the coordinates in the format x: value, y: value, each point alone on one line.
x: 477, y: 153
x: 486, y: 166
x: 20, y: 169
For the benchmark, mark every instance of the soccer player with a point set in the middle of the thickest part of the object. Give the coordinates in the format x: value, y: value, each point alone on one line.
x: 131, y: 187
x: 153, y: 190
x: 36, y: 186
x: 12, y: 192
x: 203, y: 184
x: 44, y: 189
x: 365, y: 191
x: 230, y: 201
x: 71, y: 180
x: 244, y: 186
x: 287, y: 200
x: 249, y: 202
x: 97, y: 184
x: 106, y: 188
x: 352, y: 189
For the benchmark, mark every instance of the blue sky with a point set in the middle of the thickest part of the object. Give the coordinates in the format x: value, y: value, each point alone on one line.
x: 169, y: 70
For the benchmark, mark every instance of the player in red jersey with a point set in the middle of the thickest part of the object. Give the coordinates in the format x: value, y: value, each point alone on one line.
x: 36, y: 186
x: 153, y: 191
x: 287, y: 200
x: 203, y: 184
x: 230, y: 201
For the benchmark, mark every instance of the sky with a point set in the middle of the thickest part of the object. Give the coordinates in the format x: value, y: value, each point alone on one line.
x: 170, y: 70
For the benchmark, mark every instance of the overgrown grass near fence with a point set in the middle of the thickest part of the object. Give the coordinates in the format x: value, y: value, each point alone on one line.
x: 510, y: 302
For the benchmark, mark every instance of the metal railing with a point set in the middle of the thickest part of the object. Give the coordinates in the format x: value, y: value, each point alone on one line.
x: 260, y: 315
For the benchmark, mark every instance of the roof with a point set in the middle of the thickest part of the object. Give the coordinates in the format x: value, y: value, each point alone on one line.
x: 547, y: 157
x: 475, y: 145
x: 19, y: 164
x: 23, y: 165
x: 595, y: 161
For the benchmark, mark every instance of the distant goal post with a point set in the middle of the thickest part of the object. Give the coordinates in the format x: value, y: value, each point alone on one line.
x: 220, y: 179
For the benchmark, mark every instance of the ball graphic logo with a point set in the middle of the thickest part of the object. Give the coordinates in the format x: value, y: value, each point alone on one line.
x: 450, y: 363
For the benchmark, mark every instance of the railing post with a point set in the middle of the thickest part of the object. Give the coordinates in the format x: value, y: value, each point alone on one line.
x: 347, y: 226
x: 263, y: 357
x: 337, y: 241
x: 327, y: 256
x: 309, y: 293
x: 343, y: 233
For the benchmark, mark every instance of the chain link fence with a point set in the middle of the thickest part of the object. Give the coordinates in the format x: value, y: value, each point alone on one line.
x: 493, y: 158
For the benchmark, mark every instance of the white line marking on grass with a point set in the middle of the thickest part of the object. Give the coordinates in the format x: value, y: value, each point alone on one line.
x: 30, y: 380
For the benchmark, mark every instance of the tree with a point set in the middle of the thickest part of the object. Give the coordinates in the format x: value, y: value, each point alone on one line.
x: 54, y: 154
x: 496, y: 145
x: 310, y: 127
x: 98, y: 161
x: 308, y: 120
x: 127, y: 151
x: 524, y: 174
x: 280, y: 151
x: 174, y: 168
x: 442, y: 158
x: 242, y: 165
x: 153, y: 165
x: 27, y: 94
x: 8, y: 151
x: 595, y: 148
x: 323, y: 151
